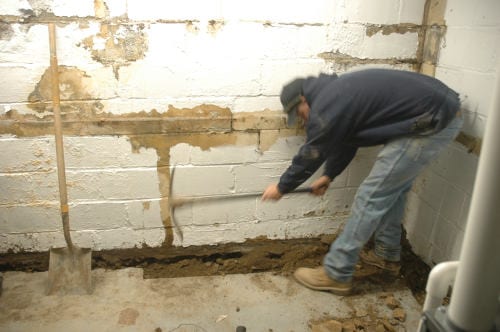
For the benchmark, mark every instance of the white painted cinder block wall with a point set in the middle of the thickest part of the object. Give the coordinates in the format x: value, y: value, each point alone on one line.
x: 235, y: 55
x: 468, y: 62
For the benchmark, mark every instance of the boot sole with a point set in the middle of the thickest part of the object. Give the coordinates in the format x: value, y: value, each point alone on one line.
x: 334, y: 290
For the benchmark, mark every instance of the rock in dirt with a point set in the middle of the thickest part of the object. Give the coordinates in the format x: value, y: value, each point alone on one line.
x: 328, y: 326
x: 392, y: 303
x: 399, y: 314
x: 388, y: 326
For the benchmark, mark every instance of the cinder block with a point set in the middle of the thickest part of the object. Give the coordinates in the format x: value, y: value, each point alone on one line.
x: 23, y: 43
x: 204, y: 180
x: 466, y: 13
x: 231, y: 233
x: 256, y: 177
x: 393, y: 46
x: 95, y: 152
x: 380, y: 12
x: 284, y: 149
x: 27, y: 155
x: 421, y: 247
x: 174, y: 39
x: 240, y: 148
x: 281, y: 42
x: 411, y: 11
x: 142, y: 80
x: 30, y: 218
x: 476, y: 89
x: 155, y: 237
x: 291, y: 206
x: 269, y: 137
x: 224, y: 211
x: 97, y: 216
x: 116, y: 238
x: 83, y: 8
x: 310, y: 227
x: 430, y: 187
x: 180, y: 154
x: 457, y: 166
x: 276, y: 72
x: 14, y: 7
x: 234, y: 76
x: 116, y: 8
x: 316, y: 11
x: 463, y: 54
x: 452, y: 205
x: 113, y: 184
x: 436, y: 255
x: 337, y: 202
x: 19, y: 92
x: 419, y: 218
x: 351, y: 39
x: 241, y: 104
x: 19, y: 188
x: 441, y: 238
x: 151, y: 10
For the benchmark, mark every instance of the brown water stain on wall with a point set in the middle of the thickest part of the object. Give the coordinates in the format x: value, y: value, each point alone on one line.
x: 6, y: 31
x: 162, y: 144
x: 73, y: 86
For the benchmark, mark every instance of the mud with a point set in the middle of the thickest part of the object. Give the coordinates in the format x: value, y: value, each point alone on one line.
x: 259, y: 255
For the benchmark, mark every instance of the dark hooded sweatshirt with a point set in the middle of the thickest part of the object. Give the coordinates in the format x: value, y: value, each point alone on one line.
x: 365, y: 108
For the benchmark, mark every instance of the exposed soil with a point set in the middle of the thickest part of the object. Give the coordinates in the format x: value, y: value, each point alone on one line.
x: 259, y: 255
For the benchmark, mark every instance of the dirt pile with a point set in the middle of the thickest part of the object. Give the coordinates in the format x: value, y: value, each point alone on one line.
x: 258, y: 255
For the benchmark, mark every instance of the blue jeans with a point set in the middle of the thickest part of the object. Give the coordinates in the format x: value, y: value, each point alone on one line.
x: 379, y: 203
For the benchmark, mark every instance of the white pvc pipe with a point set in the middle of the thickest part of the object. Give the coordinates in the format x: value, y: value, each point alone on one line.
x: 440, y: 279
x: 474, y: 301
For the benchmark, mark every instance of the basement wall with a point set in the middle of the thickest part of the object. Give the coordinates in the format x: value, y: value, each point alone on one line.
x: 463, y: 50
x: 146, y: 85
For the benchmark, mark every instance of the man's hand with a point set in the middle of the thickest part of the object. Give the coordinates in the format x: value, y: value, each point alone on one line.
x: 271, y: 192
x: 320, y: 186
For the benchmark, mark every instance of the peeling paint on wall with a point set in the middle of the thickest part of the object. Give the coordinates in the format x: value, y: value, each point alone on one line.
x: 372, y: 29
x: 101, y: 9
x: 41, y: 7
x: 350, y: 61
x: 117, y: 45
x: 214, y: 26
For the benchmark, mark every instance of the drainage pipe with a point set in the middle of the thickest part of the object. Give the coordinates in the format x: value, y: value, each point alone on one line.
x: 474, y: 302
x: 440, y: 279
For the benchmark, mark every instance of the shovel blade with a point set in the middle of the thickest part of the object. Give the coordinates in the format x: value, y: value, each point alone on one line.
x: 70, y: 271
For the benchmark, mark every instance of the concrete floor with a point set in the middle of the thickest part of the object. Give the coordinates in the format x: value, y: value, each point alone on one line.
x: 123, y: 301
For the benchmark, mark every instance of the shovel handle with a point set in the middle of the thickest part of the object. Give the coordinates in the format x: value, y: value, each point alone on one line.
x: 190, y: 199
x: 61, y: 168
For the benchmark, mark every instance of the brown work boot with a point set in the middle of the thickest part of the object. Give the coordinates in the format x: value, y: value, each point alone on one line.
x: 317, y: 279
x: 371, y: 258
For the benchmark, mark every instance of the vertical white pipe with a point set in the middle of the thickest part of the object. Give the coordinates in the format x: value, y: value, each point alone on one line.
x: 474, y: 300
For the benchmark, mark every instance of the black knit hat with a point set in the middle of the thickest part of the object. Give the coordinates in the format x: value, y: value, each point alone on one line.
x: 290, y: 99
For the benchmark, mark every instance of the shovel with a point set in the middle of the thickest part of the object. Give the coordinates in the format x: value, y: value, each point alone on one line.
x: 69, y: 267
